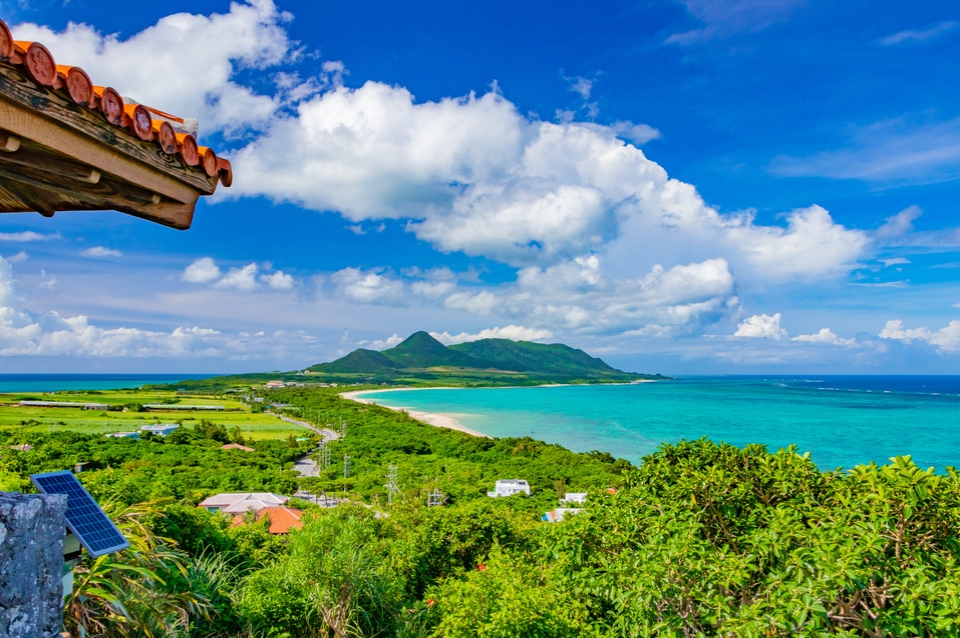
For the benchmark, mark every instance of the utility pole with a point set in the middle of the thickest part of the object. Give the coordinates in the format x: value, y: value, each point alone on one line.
x: 392, y: 484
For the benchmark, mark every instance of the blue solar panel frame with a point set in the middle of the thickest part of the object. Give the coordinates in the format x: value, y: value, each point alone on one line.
x: 92, y: 527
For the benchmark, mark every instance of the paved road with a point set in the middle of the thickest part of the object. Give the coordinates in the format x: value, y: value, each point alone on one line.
x: 305, y: 465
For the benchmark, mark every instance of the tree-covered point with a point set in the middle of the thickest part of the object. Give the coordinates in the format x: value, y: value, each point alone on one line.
x: 462, y: 466
x: 421, y: 359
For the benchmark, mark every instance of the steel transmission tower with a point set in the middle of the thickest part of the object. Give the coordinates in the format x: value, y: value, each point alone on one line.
x: 435, y: 498
x: 391, y: 485
x: 346, y: 466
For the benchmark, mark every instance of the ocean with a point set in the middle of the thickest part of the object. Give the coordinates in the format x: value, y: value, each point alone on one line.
x: 842, y: 421
x: 57, y: 382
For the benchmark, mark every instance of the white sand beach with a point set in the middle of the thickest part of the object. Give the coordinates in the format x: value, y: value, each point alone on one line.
x: 448, y: 421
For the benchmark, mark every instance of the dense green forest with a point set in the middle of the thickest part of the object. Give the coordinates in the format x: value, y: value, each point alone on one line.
x: 699, y: 538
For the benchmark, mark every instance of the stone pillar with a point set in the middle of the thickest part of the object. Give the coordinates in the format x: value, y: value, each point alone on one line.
x: 32, y: 529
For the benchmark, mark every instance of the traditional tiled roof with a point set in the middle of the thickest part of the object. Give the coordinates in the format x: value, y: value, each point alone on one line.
x: 282, y: 519
x: 174, y: 135
x: 244, y: 502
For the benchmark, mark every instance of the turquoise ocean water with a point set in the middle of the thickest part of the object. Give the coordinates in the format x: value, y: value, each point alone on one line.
x: 841, y: 421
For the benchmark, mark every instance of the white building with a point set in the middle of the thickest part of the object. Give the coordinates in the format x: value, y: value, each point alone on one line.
x: 509, y: 487
x: 160, y: 429
x: 243, y: 502
x: 574, y: 497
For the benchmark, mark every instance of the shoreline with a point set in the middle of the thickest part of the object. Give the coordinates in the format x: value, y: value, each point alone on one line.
x: 447, y: 421
x: 450, y: 421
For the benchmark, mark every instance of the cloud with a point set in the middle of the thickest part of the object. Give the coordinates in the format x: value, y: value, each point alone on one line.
x: 28, y: 235
x: 726, y: 17
x: 467, y: 174
x: 23, y: 333
x: 16, y: 259
x: 382, y: 344
x: 919, y: 36
x: 278, y: 280
x: 897, y: 151
x: 371, y: 287
x: 101, y: 251
x: 824, y: 336
x: 895, y: 261
x: 193, y: 61
x: 947, y: 339
x: 582, y: 86
x: 576, y: 296
x: 762, y: 327
x: 243, y: 279
x: 514, y: 333
x: 639, y: 134
x: 47, y: 282
x: 471, y: 174
x: 898, y: 230
x: 201, y: 271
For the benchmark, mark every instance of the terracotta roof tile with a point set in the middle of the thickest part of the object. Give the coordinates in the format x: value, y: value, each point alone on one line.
x: 148, y: 124
x: 282, y: 519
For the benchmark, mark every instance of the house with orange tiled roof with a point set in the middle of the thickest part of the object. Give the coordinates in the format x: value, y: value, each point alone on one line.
x: 282, y: 519
x: 67, y: 144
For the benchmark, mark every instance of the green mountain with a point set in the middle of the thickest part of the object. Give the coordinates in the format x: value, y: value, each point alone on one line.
x: 420, y: 350
x: 361, y: 361
x: 420, y: 357
x: 524, y: 356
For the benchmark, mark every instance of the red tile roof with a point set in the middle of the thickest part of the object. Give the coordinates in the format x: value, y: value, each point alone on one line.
x: 151, y: 125
x: 282, y: 519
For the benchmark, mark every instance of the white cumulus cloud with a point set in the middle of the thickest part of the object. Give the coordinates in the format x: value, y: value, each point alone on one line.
x: 514, y: 333
x: 367, y: 286
x: 193, y: 61
x: 243, y: 278
x: 825, y: 336
x: 382, y: 344
x: 472, y: 174
x: 762, y: 327
x: 278, y: 280
x: 201, y: 271
x: 947, y: 339
x: 23, y: 333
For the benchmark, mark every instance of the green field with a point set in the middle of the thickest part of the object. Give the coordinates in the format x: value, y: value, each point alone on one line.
x: 42, y: 419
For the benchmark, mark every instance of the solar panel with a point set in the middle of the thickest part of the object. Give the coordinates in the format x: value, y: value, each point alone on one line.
x: 95, y: 531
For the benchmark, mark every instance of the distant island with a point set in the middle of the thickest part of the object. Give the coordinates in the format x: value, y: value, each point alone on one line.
x: 421, y: 358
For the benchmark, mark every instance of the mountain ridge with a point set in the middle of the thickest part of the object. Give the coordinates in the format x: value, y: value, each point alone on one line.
x: 421, y: 356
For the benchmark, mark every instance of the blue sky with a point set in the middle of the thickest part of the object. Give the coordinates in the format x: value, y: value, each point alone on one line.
x: 702, y: 186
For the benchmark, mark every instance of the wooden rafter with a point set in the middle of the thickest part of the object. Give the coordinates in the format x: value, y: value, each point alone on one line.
x: 67, y: 145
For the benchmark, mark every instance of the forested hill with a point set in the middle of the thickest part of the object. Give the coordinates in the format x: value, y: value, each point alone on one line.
x: 420, y: 355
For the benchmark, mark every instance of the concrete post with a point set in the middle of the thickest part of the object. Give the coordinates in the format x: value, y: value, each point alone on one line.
x: 32, y: 529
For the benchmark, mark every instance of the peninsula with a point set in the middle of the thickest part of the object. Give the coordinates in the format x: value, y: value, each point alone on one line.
x: 421, y: 359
